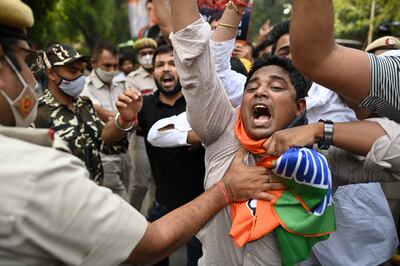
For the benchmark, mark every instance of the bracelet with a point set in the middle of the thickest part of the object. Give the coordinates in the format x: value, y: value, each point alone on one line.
x: 119, y: 126
x: 240, y: 3
x: 227, y: 25
x: 231, y: 5
x: 222, y: 189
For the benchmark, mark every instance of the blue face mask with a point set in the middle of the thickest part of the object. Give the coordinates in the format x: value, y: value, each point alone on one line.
x: 72, y: 87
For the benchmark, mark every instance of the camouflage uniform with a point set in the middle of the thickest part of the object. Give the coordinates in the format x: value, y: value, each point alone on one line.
x: 81, y: 129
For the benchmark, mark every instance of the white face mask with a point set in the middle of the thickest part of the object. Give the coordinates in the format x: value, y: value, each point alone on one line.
x: 72, y: 87
x: 146, y: 61
x: 105, y: 76
x: 24, y: 107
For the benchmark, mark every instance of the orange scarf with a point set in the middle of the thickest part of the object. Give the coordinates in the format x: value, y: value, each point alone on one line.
x: 245, y: 227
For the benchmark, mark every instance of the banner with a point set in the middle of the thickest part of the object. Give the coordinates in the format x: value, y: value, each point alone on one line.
x: 138, y: 17
x: 209, y: 7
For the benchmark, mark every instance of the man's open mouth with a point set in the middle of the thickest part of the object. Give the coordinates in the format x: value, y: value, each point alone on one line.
x: 167, y: 81
x: 260, y: 114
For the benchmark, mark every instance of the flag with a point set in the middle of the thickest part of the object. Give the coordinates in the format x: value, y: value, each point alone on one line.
x: 138, y: 17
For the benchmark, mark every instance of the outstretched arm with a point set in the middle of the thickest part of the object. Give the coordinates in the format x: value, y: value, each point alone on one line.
x: 317, y: 56
x: 184, y: 13
x: 222, y: 44
x: 174, y: 229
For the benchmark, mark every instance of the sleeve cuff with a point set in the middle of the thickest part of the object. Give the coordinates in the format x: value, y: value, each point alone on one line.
x: 190, y: 42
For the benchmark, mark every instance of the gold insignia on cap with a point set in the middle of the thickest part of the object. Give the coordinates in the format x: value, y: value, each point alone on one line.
x: 15, y: 14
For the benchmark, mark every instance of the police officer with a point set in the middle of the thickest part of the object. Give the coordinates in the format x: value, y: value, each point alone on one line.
x: 50, y: 212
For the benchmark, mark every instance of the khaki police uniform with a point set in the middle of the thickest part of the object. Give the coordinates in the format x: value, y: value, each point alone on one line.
x: 50, y: 212
x: 117, y: 167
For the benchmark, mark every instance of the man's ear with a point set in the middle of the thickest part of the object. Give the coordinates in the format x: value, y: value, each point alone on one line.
x: 51, y: 74
x: 301, y: 106
x: 93, y: 62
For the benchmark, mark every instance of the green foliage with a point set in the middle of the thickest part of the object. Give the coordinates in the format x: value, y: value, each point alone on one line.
x: 266, y: 10
x: 79, y: 22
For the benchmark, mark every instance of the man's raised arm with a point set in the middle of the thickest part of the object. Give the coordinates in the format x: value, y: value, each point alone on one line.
x: 184, y: 13
x: 317, y: 56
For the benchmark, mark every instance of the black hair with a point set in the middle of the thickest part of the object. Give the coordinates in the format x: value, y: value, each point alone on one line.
x: 300, y: 83
x: 126, y: 56
x: 101, y: 46
x: 7, y: 43
x: 163, y: 49
x: 215, y: 17
x: 267, y: 42
x: 278, y: 31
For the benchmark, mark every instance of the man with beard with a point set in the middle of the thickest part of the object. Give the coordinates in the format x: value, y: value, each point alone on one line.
x: 178, y: 172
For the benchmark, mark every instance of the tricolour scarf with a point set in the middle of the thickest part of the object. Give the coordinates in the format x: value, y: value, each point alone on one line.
x: 301, y: 216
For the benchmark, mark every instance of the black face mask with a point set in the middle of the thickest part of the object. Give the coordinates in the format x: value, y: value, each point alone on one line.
x: 177, y: 88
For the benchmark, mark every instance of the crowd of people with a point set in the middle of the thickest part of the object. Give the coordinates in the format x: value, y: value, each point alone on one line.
x: 249, y: 154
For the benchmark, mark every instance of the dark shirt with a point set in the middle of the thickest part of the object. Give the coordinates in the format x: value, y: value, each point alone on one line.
x: 178, y: 172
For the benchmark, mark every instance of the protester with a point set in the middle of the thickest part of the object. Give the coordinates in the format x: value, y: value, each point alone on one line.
x: 51, y: 212
x: 212, y: 118
x: 317, y: 56
x: 355, y: 228
x: 178, y: 172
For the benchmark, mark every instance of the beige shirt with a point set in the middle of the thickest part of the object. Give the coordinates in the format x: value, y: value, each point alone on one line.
x: 102, y: 94
x: 212, y: 117
x: 141, y: 80
x: 52, y: 214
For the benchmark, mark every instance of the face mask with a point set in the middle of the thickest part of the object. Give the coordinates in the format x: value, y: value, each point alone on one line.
x: 105, y: 76
x: 24, y: 107
x: 72, y: 87
x: 146, y: 61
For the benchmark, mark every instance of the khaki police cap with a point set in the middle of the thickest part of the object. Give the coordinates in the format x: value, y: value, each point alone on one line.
x: 145, y: 43
x: 387, y: 42
x: 15, y: 14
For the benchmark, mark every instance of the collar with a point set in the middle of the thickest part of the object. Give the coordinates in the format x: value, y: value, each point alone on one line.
x: 158, y: 100
x: 48, y: 99
x: 97, y: 83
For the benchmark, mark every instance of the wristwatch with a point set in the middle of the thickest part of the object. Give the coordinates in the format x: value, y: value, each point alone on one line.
x: 326, y: 141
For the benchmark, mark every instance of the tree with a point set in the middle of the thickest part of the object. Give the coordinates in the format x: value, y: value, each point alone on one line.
x: 79, y: 22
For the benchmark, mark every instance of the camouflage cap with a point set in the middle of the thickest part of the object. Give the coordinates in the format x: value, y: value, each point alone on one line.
x: 387, y: 42
x: 145, y: 43
x: 60, y: 55
x: 15, y: 18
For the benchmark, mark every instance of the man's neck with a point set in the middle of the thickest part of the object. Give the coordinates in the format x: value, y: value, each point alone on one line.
x: 170, y: 99
x: 60, y: 95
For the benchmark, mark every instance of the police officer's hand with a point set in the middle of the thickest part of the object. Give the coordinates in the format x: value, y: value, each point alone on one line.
x: 244, y: 182
x: 129, y: 104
